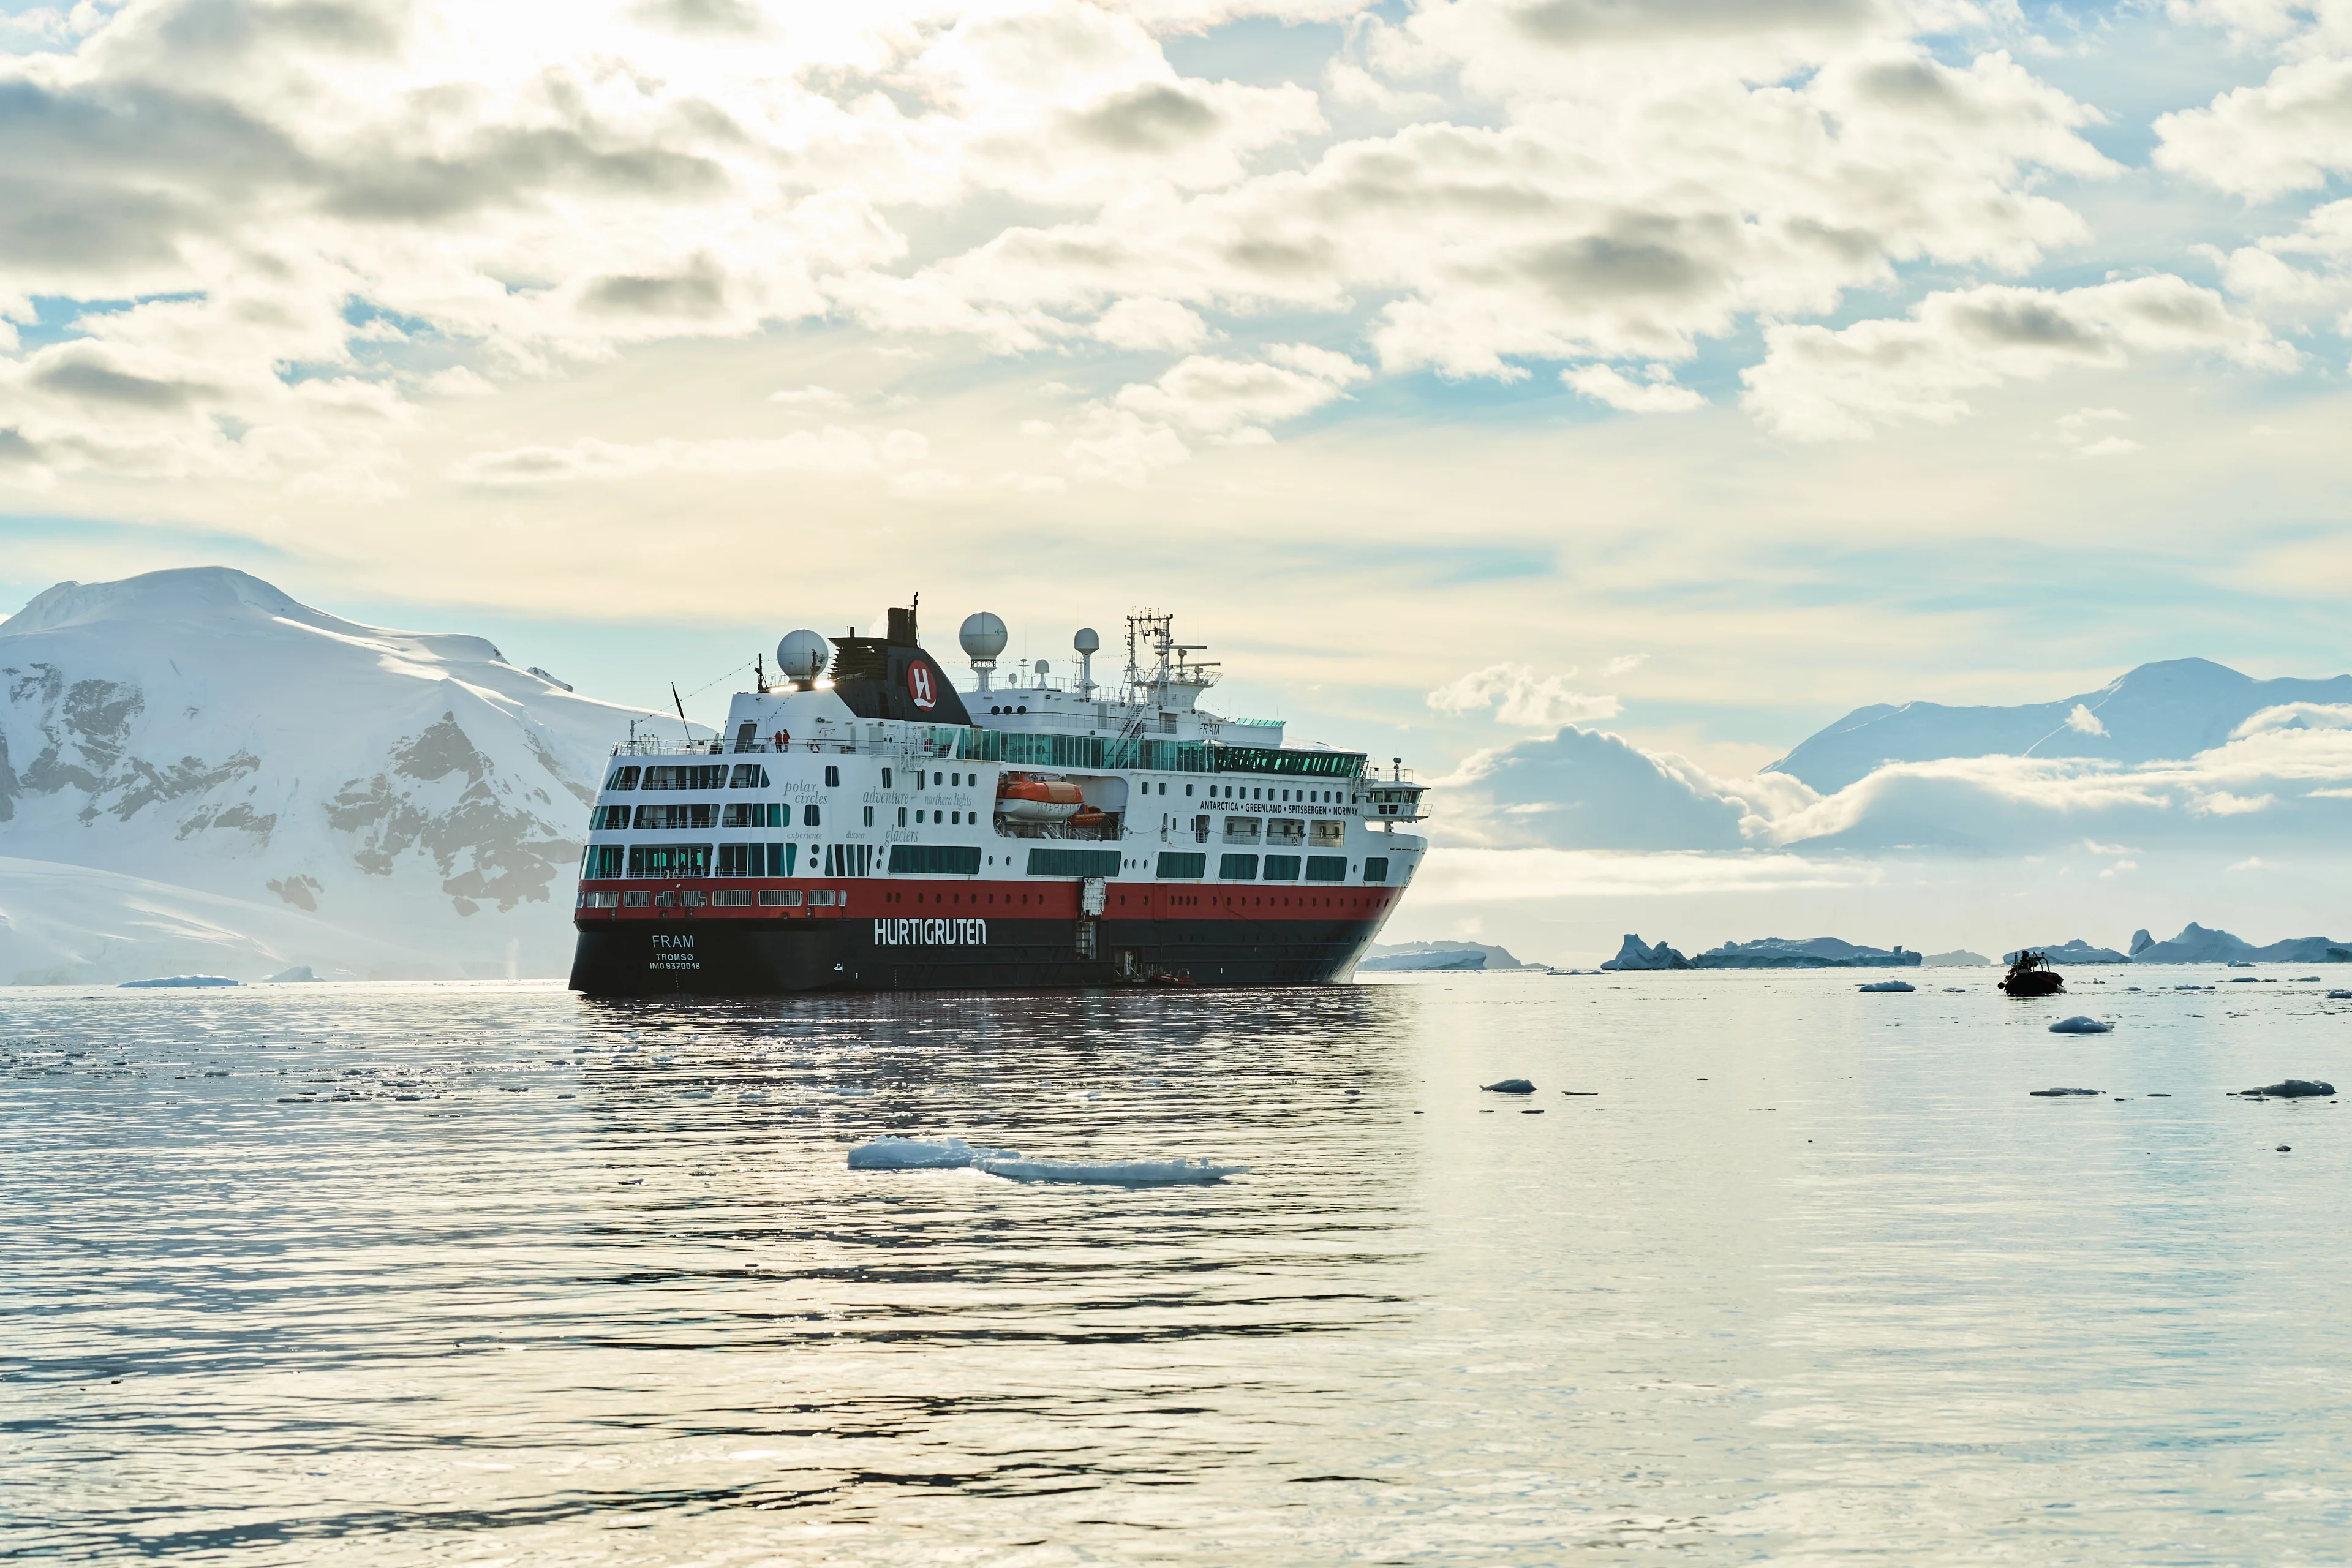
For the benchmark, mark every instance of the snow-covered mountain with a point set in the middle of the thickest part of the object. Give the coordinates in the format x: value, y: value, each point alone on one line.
x: 2173, y: 709
x: 411, y: 802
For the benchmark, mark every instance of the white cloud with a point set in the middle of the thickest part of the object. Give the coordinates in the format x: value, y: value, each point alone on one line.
x: 1656, y: 395
x: 1148, y: 324
x: 1519, y: 695
x: 834, y: 450
x: 1625, y: 663
x: 2288, y: 133
x: 2082, y: 722
x: 810, y: 397
x: 1823, y: 383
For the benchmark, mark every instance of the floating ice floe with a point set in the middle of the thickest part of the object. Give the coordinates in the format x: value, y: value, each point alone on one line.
x: 1107, y: 1172
x: 2291, y: 1088
x: 176, y: 980
x: 1888, y: 986
x: 920, y: 1154
x: 1508, y: 1086
x: 2058, y: 1094
x: 2339, y: 995
x: 2081, y: 1024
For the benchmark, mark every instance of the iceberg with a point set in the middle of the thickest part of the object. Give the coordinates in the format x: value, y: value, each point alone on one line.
x: 1959, y: 958
x: 1633, y: 955
x: 1421, y: 955
x: 2291, y: 1088
x: 1108, y: 1172
x: 1508, y: 1086
x: 2080, y: 1025
x: 922, y: 1155
x: 1887, y: 986
x: 1816, y: 952
x: 175, y: 980
x: 2055, y: 1093
x: 2197, y: 944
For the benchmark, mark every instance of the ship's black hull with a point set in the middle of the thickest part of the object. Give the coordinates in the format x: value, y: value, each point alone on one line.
x: 766, y: 958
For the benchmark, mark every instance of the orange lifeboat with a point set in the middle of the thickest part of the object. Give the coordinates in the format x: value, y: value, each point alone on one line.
x: 1088, y: 817
x: 1026, y: 797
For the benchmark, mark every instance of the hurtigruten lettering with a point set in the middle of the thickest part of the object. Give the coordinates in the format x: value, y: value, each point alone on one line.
x: 930, y: 934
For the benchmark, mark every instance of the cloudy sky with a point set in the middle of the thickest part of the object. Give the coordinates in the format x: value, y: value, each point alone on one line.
x: 1687, y: 372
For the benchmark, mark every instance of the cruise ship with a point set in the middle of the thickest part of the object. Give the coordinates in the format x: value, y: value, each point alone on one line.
x: 862, y: 824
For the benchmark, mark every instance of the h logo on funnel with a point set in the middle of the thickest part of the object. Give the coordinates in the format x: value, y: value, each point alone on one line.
x: 919, y: 686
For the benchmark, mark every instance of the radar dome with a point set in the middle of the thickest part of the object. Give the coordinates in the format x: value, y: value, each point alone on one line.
x: 1086, y: 641
x: 982, y: 636
x: 801, y: 655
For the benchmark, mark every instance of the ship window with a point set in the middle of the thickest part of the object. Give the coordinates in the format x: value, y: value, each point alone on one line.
x: 1326, y: 867
x: 935, y: 860
x: 809, y: 816
x: 623, y: 778
x: 1022, y: 709
x: 1376, y: 870
x: 636, y: 900
x: 1282, y: 868
x: 780, y: 898
x: 731, y: 898
x: 869, y: 817
x: 918, y: 815
x: 832, y: 778
x: 610, y: 817
x: 601, y: 861
x: 1237, y: 867
x: 902, y: 817
x: 713, y: 776
x: 886, y: 778
x: 1240, y: 830
x: 748, y: 775
x: 669, y: 860
x: 1176, y: 863
x: 1188, y: 789
x: 665, y: 818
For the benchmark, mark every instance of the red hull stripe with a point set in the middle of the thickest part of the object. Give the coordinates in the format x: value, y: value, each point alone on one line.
x: 908, y: 897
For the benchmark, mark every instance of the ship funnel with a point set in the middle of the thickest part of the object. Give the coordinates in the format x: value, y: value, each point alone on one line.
x: 1087, y: 644
x: 982, y: 637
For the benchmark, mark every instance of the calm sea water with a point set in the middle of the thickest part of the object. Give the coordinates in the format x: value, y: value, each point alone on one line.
x: 1805, y: 1278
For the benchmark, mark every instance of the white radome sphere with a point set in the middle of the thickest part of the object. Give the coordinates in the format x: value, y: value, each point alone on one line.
x: 1086, y: 641
x: 982, y: 636
x: 803, y: 655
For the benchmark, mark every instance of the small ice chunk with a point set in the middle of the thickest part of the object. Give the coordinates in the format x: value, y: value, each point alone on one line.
x: 1107, y: 1173
x: 1888, y: 986
x: 2081, y: 1024
x: 2055, y: 1093
x: 920, y: 1154
x: 1508, y: 1086
x: 2339, y: 995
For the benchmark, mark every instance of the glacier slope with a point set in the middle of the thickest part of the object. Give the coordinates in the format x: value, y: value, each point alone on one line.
x: 202, y: 728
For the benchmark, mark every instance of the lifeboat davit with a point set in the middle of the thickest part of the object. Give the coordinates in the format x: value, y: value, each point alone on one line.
x: 1026, y: 797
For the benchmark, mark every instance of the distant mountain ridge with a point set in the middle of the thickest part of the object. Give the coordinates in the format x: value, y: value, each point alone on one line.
x: 201, y: 729
x: 1764, y: 953
x: 2159, y: 712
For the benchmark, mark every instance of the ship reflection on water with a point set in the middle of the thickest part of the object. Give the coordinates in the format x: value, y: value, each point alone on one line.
x: 399, y: 1275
